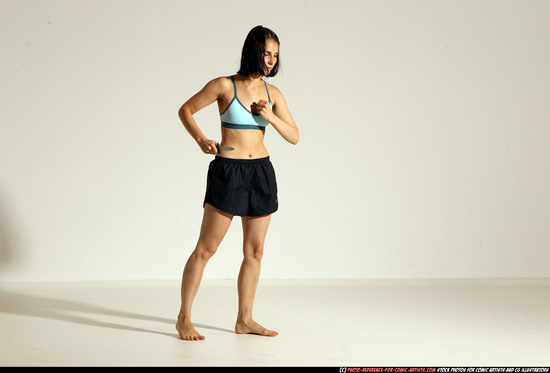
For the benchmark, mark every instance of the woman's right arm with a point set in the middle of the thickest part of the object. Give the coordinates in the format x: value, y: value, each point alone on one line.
x: 206, y: 96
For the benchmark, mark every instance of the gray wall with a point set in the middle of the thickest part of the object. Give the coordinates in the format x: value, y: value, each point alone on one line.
x: 424, y: 149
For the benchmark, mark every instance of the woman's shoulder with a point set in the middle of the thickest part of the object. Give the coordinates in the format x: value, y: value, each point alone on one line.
x: 221, y: 81
x: 273, y: 90
x: 219, y: 86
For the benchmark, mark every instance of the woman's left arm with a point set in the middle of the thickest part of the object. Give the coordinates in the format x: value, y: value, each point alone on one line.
x: 280, y: 117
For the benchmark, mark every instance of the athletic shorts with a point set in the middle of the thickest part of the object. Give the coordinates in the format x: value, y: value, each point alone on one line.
x: 242, y: 187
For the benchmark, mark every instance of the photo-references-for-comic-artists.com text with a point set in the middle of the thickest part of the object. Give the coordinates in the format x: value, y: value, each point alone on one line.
x: 445, y: 370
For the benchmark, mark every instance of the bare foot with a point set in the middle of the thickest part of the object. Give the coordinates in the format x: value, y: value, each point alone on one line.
x: 252, y: 327
x: 187, y: 332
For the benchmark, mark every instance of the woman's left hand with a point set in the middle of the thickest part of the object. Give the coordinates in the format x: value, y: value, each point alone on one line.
x: 262, y: 107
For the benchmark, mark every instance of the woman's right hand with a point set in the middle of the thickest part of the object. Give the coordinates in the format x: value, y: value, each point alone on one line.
x: 208, y: 146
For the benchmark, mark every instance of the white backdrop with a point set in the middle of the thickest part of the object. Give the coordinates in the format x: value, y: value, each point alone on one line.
x: 424, y: 152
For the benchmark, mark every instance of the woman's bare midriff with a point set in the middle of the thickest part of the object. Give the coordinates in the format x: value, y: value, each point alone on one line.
x: 248, y: 144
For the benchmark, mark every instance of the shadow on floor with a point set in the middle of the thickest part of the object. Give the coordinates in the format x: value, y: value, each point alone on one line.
x: 64, y: 310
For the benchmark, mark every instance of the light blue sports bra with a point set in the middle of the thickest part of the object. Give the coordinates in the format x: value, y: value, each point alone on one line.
x: 237, y: 116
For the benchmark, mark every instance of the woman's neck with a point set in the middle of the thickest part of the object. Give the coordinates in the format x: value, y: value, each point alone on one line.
x: 250, y: 79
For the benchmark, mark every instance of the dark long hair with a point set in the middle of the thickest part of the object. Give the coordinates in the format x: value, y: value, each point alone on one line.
x: 252, y: 58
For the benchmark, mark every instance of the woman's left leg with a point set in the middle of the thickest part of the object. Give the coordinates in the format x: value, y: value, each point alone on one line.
x: 254, y: 233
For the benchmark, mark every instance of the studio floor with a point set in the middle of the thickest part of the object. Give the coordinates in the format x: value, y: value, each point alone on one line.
x: 353, y: 323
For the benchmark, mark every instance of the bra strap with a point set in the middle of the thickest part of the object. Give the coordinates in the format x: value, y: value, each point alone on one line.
x: 269, y: 97
x: 234, y: 86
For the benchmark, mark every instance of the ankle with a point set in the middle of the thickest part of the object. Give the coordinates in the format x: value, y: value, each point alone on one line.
x: 184, y: 318
x: 244, y: 318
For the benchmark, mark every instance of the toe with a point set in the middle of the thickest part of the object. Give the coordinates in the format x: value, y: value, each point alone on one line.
x: 270, y: 333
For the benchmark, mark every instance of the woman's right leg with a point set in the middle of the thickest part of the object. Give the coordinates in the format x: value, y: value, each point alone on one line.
x: 215, y: 224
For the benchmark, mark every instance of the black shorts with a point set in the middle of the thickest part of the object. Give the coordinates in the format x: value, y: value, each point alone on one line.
x: 242, y: 187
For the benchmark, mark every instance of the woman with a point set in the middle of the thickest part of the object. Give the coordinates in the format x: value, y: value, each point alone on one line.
x: 241, y: 181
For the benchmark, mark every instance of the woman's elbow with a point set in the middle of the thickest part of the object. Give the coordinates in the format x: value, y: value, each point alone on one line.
x: 295, y: 139
x: 187, y: 108
x: 184, y: 109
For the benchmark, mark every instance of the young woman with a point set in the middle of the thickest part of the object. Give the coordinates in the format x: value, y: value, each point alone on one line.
x: 241, y: 181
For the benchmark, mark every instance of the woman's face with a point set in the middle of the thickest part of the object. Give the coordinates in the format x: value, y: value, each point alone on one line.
x: 271, y: 53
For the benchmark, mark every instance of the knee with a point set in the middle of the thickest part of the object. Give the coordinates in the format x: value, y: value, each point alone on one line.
x: 254, y: 252
x: 205, y: 251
